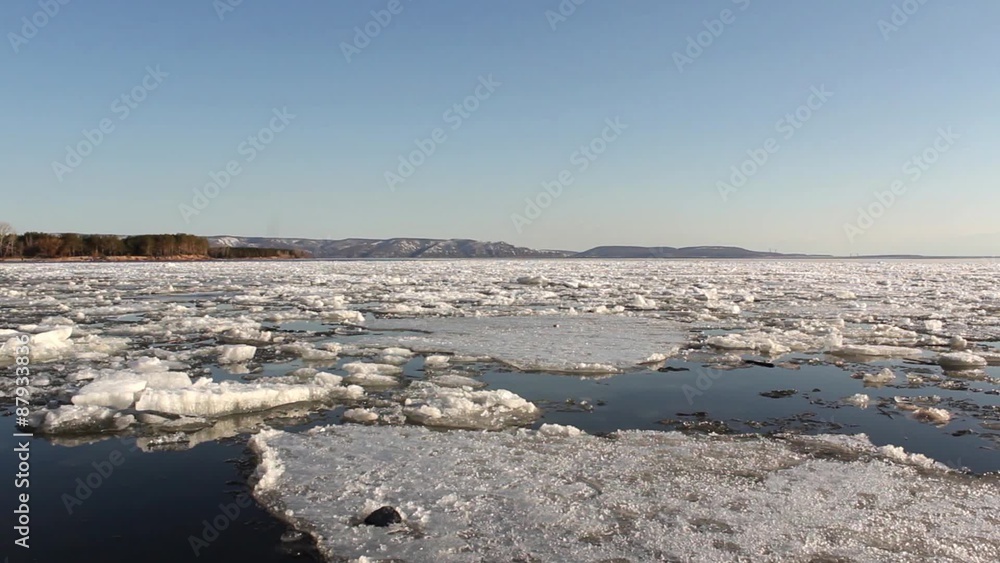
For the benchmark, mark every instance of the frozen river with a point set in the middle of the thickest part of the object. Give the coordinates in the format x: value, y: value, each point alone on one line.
x: 636, y: 410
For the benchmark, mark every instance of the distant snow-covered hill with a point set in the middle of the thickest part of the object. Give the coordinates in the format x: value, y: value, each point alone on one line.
x: 465, y: 248
x: 391, y: 248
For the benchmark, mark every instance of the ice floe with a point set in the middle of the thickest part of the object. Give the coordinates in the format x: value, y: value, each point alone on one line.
x: 455, y: 380
x: 57, y: 344
x: 581, y: 343
x: 961, y: 360
x: 80, y: 419
x: 310, y: 353
x: 432, y: 405
x: 119, y: 389
x: 436, y: 362
x: 363, y: 368
x: 247, y: 335
x: 228, y: 397
x: 884, y: 377
x: 931, y: 414
x: 235, y: 353
x: 637, y: 496
x: 877, y: 351
x: 360, y: 416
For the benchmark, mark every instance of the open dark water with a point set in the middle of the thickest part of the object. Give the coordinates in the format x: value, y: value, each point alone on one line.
x: 145, y: 510
x: 152, y: 504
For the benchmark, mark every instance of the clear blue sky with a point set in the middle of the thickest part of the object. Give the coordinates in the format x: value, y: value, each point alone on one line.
x: 323, y: 175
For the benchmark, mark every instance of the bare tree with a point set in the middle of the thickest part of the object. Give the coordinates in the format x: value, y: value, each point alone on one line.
x: 8, y: 239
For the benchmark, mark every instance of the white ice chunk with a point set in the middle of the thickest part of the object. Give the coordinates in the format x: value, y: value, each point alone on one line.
x: 235, y: 353
x: 559, y: 430
x: 247, y: 335
x: 431, y: 405
x: 43, y: 346
x: 308, y: 353
x: 72, y: 419
x: 640, y: 302
x: 363, y: 368
x: 52, y: 338
x: 56, y: 344
x: 877, y: 351
x: 436, y: 362
x: 372, y: 379
x: 165, y: 380
x: 884, y: 377
x: 115, y: 394
x: 334, y: 347
x: 328, y: 379
x: 147, y: 364
x: 360, y: 416
x: 455, y: 380
x: 404, y: 352
x: 119, y: 389
x: 757, y: 342
x: 897, y: 453
x: 961, y: 360
x: 933, y: 325
x: 933, y: 415
x: 345, y: 317
x: 229, y: 397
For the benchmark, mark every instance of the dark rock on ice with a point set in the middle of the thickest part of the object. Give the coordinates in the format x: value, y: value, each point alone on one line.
x: 384, y: 517
x: 700, y: 426
x: 779, y: 393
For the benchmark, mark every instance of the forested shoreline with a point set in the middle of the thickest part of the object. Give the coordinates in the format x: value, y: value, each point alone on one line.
x: 51, y: 246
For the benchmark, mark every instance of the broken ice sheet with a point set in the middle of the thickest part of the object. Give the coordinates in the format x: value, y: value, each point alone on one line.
x: 578, y: 343
x: 640, y: 496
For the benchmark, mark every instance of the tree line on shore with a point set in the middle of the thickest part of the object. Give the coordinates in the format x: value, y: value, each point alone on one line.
x: 248, y: 252
x: 69, y: 245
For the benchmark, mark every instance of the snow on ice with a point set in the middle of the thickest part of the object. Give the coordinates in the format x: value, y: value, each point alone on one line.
x: 127, y: 336
x: 556, y: 495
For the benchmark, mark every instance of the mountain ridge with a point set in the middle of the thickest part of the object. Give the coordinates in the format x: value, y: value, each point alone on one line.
x: 404, y: 247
